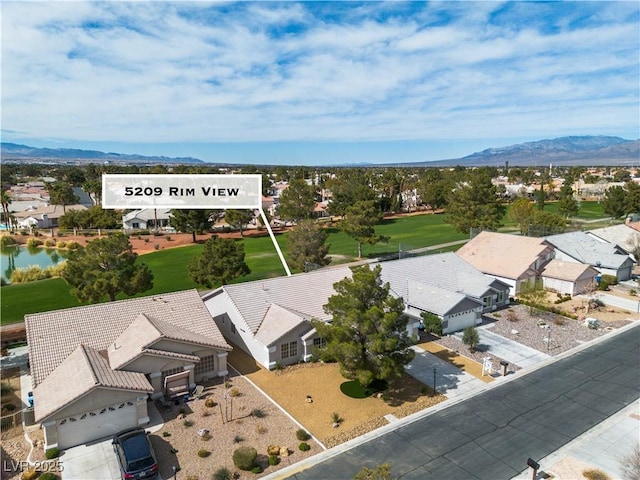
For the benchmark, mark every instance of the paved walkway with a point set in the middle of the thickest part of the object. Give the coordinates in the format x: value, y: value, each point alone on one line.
x: 628, y: 304
x: 450, y: 380
x: 507, y: 349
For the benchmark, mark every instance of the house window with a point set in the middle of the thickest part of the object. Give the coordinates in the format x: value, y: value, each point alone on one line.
x: 135, y: 225
x: 288, y: 350
x: 319, y: 343
x: 500, y: 298
x: 206, y: 364
x: 487, y: 301
x: 233, y: 327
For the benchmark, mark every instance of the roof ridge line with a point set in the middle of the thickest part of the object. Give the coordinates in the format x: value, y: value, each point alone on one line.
x: 85, y: 350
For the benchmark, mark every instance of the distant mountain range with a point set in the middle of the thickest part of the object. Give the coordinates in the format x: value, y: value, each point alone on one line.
x: 563, y: 151
x: 14, y: 151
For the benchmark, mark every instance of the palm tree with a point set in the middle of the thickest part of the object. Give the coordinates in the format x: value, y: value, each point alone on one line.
x: 5, y: 199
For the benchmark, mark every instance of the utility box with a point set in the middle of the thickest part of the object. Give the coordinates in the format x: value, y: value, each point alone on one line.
x: 504, y: 364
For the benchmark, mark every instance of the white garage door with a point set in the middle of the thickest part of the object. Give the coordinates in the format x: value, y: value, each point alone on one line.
x: 95, y: 425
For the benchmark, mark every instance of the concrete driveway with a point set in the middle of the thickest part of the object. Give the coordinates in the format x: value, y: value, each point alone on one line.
x: 95, y: 461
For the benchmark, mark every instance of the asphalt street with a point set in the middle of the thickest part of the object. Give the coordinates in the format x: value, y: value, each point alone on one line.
x: 491, y: 435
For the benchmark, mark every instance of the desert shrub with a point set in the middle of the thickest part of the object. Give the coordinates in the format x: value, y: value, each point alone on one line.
x: 30, y: 474
x: 633, y: 292
x: 203, y: 453
x: 594, y: 474
x: 258, y: 413
x: 33, y: 242
x: 166, y: 434
x: 245, y: 457
x: 222, y: 474
x: 273, y: 450
x: 603, y: 285
x: 610, y: 279
x: 562, y: 299
x: 49, y: 243
x: 52, y: 453
x: 511, y: 316
x: 261, y: 429
x: 336, y: 418
x: 24, y: 233
x: 146, y: 240
x: 6, y: 388
x: 209, y: 402
x: 48, y: 476
x: 188, y: 423
x: 237, y: 439
x: 205, y: 436
x: 234, y: 392
x: 558, y: 320
x: 205, y: 413
x: 192, y: 477
x: 156, y: 246
x: 302, y: 434
x: 6, y: 241
x: 630, y: 464
x: 61, y: 244
x: 304, y: 446
x: 274, y: 460
x: 168, y: 238
x: 256, y: 469
x: 73, y: 245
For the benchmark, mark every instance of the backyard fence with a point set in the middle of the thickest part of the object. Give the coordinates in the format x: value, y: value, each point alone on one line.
x: 11, y: 425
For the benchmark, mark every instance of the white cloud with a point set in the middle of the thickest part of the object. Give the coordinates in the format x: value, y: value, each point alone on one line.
x: 158, y: 72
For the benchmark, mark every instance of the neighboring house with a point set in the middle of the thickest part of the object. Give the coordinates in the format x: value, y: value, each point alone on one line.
x: 94, y: 367
x: 146, y: 219
x: 624, y: 236
x: 446, y: 286
x: 271, y: 319
x: 44, y: 216
x: 607, y: 258
x: 569, y: 278
x: 513, y: 259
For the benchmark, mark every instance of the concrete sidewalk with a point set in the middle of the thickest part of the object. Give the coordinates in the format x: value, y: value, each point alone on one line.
x: 509, y: 350
x: 450, y: 380
x: 602, y: 447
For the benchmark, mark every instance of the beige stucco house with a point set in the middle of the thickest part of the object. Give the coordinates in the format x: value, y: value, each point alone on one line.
x: 513, y: 259
x: 94, y: 368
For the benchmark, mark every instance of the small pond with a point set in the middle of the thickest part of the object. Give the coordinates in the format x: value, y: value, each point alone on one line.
x: 22, y: 257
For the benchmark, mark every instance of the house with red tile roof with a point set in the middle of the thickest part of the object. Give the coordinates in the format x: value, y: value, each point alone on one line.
x: 94, y: 367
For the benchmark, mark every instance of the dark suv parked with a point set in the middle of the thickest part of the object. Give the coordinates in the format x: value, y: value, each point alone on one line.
x: 135, y: 454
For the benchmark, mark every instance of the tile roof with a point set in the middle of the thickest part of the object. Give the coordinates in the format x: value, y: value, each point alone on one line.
x: 51, y: 211
x: 304, y: 292
x: 52, y: 336
x: 503, y: 255
x: 277, y: 322
x: 145, y: 331
x: 148, y: 214
x: 84, y: 370
x: 444, y: 270
x: 437, y: 300
x: 569, y: 271
x: 622, y: 235
x: 586, y: 249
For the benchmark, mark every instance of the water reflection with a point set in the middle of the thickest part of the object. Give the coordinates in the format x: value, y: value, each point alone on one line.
x: 13, y: 257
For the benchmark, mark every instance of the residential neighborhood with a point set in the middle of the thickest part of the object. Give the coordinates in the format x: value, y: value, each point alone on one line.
x: 92, y: 371
x: 320, y: 240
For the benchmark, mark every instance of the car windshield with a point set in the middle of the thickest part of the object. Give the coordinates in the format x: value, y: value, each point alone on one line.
x: 137, y: 452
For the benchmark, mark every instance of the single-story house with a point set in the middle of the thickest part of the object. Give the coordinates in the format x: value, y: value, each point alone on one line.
x: 146, y: 219
x: 46, y: 216
x: 624, y: 236
x: 95, y: 367
x: 513, y: 259
x: 607, y: 258
x: 569, y: 278
x: 271, y: 319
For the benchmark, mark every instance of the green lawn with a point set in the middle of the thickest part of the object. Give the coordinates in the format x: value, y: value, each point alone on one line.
x: 169, y: 267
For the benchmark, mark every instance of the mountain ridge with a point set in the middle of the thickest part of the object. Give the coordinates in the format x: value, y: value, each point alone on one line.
x: 586, y: 150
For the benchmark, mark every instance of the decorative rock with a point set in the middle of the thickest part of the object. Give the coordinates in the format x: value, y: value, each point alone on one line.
x: 514, y: 332
x: 203, y: 431
x: 181, y: 416
x: 273, y: 450
x: 309, y: 399
x: 284, y: 452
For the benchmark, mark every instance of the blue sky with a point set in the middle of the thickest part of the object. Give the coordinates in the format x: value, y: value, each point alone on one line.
x: 318, y: 82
